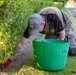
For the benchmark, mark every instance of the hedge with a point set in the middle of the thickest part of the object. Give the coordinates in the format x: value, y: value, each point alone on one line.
x: 13, y: 21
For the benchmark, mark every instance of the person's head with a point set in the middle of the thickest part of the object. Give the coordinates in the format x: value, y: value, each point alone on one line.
x: 35, y: 24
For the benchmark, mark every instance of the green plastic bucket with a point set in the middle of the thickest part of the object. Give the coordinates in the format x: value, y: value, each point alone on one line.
x: 50, y: 54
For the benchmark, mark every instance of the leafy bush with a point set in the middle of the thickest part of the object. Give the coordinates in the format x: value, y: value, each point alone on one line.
x: 63, y: 1
x: 58, y: 4
x: 13, y: 21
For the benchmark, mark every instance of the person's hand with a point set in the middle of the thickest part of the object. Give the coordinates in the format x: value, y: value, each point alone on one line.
x: 62, y: 35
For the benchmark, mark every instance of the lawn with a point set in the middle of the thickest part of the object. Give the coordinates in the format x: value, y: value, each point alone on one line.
x: 30, y: 69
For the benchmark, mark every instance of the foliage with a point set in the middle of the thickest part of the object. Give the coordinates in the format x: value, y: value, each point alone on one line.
x: 12, y: 24
x: 74, y: 0
x: 5, y: 45
x: 70, y: 0
x: 1, y: 2
x: 62, y: 1
x: 13, y: 21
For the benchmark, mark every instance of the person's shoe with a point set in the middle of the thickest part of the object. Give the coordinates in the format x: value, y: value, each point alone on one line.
x: 72, y: 51
x: 7, y: 63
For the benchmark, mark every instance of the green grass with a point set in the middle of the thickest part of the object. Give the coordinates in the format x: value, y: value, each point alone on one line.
x: 30, y: 69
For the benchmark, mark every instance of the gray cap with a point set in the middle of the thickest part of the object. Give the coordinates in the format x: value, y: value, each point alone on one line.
x: 34, y: 22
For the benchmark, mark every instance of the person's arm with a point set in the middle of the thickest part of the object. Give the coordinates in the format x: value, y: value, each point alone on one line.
x: 60, y: 28
x: 22, y: 41
x: 20, y: 44
x: 62, y: 35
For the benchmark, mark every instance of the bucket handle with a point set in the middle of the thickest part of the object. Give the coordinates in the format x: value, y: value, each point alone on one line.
x: 40, y: 39
x: 65, y: 39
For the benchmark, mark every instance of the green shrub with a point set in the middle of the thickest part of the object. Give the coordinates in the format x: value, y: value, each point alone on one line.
x: 2, y: 6
x: 58, y: 4
x: 15, y: 14
x: 63, y: 1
